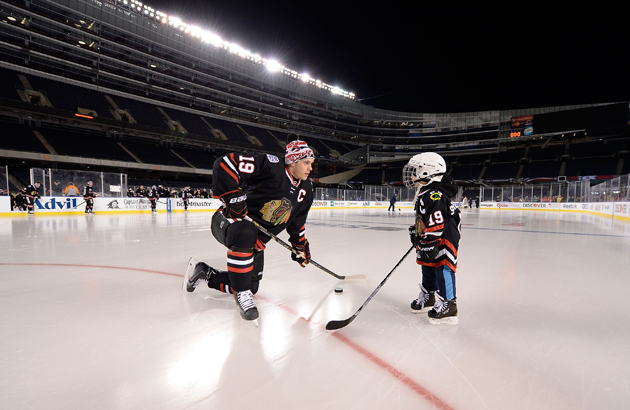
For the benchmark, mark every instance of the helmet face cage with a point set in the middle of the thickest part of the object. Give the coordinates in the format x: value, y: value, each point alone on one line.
x: 410, y: 175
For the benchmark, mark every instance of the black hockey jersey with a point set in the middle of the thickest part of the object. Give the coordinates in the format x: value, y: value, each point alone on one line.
x: 152, y: 193
x: 275, y: 199
x: 88, y: 192
x: 442, y: 222
x: 30, y: 191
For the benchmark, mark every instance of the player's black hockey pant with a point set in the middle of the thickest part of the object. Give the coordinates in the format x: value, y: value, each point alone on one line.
x: 245, y: 255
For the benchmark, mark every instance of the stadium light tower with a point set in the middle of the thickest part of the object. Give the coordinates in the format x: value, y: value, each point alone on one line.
x: 213, y: 39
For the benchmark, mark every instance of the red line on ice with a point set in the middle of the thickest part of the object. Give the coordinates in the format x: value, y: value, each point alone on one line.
x: 73, y: 265
x: 423, y: 392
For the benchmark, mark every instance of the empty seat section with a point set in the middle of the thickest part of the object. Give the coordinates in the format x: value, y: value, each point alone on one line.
x: 191, y: 122
x: 9, y: 84
x: 591, y: 166
x: 197, y: 157
x: 369, y: 176
x: 320, y: 149
x: 143, y: 113
x: 71, y: 98
x: 541, y: 168
x: 467, y: 167
x: 504, y: 170
x: 20, y: 138
x: 85, y: 145
x: 229, y: 129
x: 153, y: 153
x: 337, y: 146
x: 549, y: 153
x: 263, y: 136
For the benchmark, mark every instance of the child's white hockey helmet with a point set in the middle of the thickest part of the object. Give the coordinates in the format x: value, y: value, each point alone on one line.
x: 426, y: 167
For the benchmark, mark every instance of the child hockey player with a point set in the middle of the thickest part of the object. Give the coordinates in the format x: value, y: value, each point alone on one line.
x: 436, y: 235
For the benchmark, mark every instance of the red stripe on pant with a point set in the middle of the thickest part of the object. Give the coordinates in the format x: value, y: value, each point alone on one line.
x: 225, y: 288
x: 240, y: 262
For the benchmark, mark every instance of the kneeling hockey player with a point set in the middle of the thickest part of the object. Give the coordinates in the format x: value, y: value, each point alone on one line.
x: 274, y: 192
x: 436, y: 236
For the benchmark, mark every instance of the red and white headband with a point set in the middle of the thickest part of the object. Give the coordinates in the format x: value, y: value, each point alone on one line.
x: 296, y: 151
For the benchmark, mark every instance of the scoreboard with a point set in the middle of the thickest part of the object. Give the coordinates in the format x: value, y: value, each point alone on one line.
x: 522, y: 126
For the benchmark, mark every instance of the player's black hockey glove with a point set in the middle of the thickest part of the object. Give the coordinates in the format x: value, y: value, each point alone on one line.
x: 428, y: 251
x: 235, y: 205
x: 412, y: 234
x: 302, y: 254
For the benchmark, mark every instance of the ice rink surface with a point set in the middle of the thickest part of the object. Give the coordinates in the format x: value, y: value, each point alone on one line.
x: 93, y: 316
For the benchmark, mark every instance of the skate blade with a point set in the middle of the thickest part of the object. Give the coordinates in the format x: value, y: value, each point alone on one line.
x: 425, y: 310
x: 192, y: 262
x: 451, y: 320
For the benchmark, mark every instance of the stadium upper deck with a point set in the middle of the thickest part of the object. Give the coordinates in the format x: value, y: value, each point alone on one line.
x: 138, y: 55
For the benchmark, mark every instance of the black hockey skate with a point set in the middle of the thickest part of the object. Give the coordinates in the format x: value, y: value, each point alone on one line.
x: 444, y: 312
x: 196, y: 273
x: 246, y: 305
x: 425, y: 301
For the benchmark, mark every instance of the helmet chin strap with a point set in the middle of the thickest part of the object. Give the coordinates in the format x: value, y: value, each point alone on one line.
x: 428, y: 180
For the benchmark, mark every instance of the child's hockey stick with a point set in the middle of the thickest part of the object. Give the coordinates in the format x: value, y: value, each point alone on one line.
x: 338, y: 324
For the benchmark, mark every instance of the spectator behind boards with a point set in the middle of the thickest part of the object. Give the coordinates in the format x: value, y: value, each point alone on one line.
x: 71, y: 190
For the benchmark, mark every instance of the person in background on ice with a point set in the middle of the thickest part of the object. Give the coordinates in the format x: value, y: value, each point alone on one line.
x: 436, y: 236
x: 185, y: 196
x: 88, y: 196
x: 31, y: 192
x: 163, y: 192
x: 274, y: 192
x: 153, y: 196
x: 141, y: 192
x: 392, y: 203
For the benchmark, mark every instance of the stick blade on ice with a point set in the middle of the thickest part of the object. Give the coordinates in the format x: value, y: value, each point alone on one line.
x: 338, y: 324
x: 359, y: 276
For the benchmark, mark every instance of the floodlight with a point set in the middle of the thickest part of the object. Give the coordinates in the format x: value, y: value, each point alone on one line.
x: 207, y: 37
x: 273, y: 65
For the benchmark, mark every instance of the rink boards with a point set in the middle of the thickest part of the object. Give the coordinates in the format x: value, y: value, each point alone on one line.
x: 76, y: 205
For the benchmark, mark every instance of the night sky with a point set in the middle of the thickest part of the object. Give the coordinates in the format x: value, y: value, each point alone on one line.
x: 435, y: 57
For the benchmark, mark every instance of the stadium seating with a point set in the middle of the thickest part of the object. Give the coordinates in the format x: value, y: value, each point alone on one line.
x: 81, y: 144
x: 20, y: 138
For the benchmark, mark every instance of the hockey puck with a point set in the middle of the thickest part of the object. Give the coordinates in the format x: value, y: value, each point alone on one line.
x: 338, y: 290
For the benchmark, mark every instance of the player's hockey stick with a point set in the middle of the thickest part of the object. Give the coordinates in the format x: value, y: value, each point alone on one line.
x: 289, y: 247
x: 75, y: 207
x: 338, y: 324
